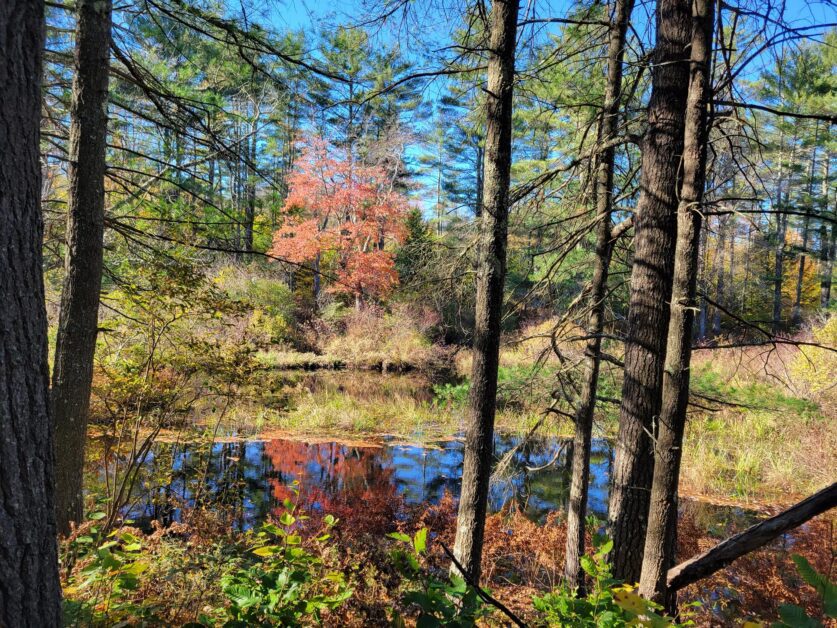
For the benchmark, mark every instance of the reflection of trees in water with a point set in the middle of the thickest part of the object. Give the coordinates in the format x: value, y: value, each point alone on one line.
x: 331, y: 476
x: 244, y: 482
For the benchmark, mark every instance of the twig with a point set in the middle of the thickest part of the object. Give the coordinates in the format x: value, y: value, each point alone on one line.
x: 483, y: 594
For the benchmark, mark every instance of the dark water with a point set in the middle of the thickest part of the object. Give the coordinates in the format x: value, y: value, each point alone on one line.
x: 248, y: 481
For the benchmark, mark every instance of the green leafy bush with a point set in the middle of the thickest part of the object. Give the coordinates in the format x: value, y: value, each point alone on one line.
x: 609, y: 604
x: 284, y: 583
x: 793, y: 616
x: 440, y: 601
x: 102, y: 591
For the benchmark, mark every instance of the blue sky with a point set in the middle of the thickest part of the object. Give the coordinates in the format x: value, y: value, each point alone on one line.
x: 304, y: 13
x: 430, y: 22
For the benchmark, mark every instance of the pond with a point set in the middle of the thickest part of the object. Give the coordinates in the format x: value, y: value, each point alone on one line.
x: 248, y: 481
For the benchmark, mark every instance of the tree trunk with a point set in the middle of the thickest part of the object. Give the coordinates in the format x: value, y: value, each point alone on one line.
x: 29, y: 589
x: 752, y: 538
x: 651, y: 279
x: 827, y: 245
x: 778, y: 270
x: 796, y: 316
x: 703, y: 319
x: 491, y: 274
x: 720, y: 276
x: 662, y: 519
x: 745, y: 284
x: 78, y: 321
x: 577, y: 511
x: 779, y: 246
x: 827, y: 256
x: 250, y: 208
x: 800, y: 279
x: 731, y: 235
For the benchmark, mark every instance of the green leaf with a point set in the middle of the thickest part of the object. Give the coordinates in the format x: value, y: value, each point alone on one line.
x: 588, y: 566
x: 427, y: 621
x: 400, y: 536
x: 267, y: 550
x: 826, y: 589
x: 420, y: 541
x: 273, y: 529
x: 795, y: 617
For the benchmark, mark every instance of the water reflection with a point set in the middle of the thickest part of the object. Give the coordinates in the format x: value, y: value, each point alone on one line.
x: 245, y: 482
x: 249, y: 480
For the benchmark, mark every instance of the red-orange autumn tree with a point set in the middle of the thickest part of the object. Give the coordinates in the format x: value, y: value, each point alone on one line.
x: 346, y: 212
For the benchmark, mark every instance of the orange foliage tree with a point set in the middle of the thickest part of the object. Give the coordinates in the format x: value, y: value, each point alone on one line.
x: 342, y: 210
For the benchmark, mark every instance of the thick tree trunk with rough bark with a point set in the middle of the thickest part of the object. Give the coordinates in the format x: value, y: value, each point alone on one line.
x: 72, y: 374
x: 491, y: 274
x: 662, y: 518
x: 577, y: 511
x: 29, y: 589
x: 651, y: 278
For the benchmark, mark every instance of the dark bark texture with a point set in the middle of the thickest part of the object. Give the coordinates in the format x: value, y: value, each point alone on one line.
x: 827, y: 253
x: 72, y: 374
x: 752, y: 538
x: 29, y: 589
x: 491, y: 275
x: 651, y: 278
x: 662, y: 519
x: 577, y: 511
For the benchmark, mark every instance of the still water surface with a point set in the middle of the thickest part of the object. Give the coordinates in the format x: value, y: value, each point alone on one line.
x: 249, y: 480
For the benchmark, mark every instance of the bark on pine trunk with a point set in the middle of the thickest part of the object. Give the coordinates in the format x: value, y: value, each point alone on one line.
x: 796, y: 316
x: 72, y: 374
x: 779, y: 246
x: 651, y: 278
x: 829, y: 248
x: 827, y: 244
x: 577, y: 511
x: 29, y: 589
x: 703, y: 318
x: 250, y: 208
x: 662, y: 519
x: 491, y: 274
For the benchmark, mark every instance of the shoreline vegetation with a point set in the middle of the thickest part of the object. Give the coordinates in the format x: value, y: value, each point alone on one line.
x: 737, y: 438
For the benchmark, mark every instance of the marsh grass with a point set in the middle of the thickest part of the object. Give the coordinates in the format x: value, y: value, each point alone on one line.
x: 402, y: 415
x: 764, y: 442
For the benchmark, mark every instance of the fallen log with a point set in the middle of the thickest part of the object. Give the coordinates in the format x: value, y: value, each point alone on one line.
x: 750, y: 539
